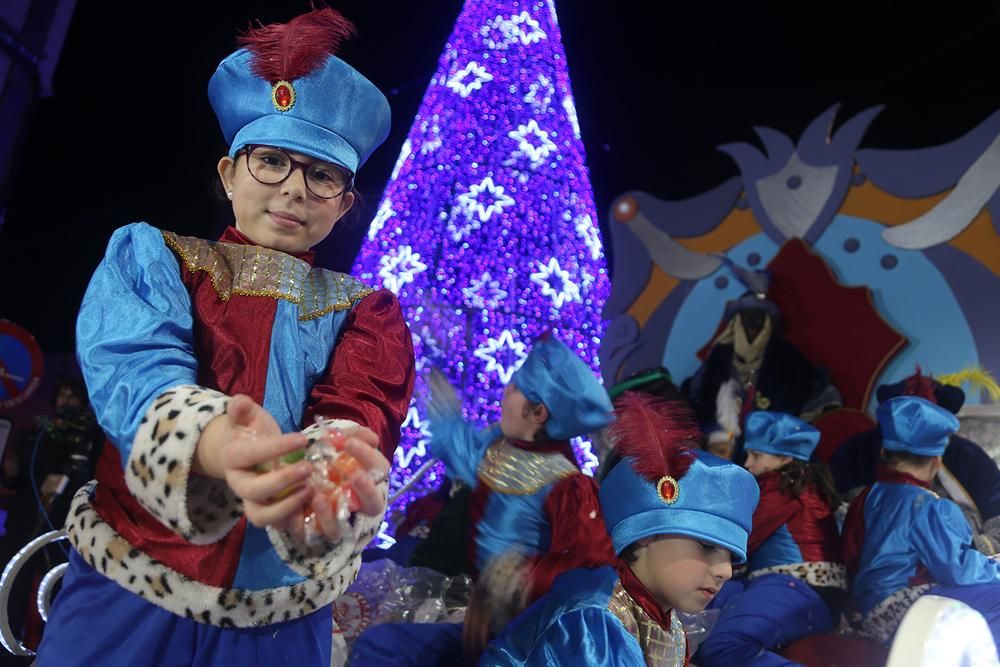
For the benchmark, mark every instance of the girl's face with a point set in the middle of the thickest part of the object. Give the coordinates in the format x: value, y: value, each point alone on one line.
x: 682, y: 573
x: 519, y: 420
x: 759, y: 463
x: 284, y: 216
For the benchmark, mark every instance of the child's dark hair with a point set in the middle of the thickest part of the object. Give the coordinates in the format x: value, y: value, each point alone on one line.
x: 895, y: 459
x: 798, y: 475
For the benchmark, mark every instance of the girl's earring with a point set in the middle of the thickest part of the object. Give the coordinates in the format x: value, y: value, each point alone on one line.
x: 229, y: 193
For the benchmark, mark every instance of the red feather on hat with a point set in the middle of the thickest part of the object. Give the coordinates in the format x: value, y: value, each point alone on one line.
x: 920, y: 385
x: 288, y: 51
x: 655, y: 433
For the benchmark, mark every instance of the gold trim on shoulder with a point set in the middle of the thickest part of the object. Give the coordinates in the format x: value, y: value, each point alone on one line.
x: 520, y: 472
x: 250, y: 270
x: 661, y: 648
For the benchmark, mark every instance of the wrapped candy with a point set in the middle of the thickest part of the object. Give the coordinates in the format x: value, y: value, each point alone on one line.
x: 332, y: 467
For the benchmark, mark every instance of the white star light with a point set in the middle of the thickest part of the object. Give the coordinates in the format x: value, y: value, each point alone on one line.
x: 458, y: 229
x: 500, y: 33
x: 399, y: 267
x: 537, y: 150
x: 540, y: 94
x: 587, y: 230
x: 495, y: 203
x: 533, y: 34
x: 403, y: 154
x: 383, y: 213
x: 562, y: 290
x: 484, y: 293
x: 464, y: 88
x: 432, y: 133
x: 505, y: 343
x: 414, y: 421
x: 570, y: 109
x: 383, y: 540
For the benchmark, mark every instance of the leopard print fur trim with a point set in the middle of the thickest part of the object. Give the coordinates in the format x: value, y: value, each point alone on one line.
x: 111, y: 555
x: 158, y: 472
x: 815, y: 573
x: 326, y: 559
x: 881, y: 622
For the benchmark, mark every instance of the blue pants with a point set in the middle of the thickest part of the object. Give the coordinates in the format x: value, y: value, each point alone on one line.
x: 94, y: 621
x: 396, y: 644
x: 760, y: 614
x: 984, y: 598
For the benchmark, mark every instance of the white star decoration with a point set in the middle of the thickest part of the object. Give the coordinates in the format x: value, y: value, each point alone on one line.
x: 414, y: 421
x: 383, y: 213
x: 383, y: 539
x: 403, y: 154
x: 540, y: 94
x: 562, y: 290
x: 505, y: 345
x: 587, y: 230
x: 495, y: 203
x: 399, y: 267
x: 458, y: 83
x: 570, y: 109
x: 536, y: 150
x: 500, y: 33
x: 484, y: 293
x: 533, y: 34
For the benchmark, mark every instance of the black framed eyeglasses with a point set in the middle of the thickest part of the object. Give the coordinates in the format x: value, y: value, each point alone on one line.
x: 270, y: 165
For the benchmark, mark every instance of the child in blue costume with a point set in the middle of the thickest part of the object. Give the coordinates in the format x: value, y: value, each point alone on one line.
x: 677, y: 519
x: 901, y: 540
x: 795, y: 573
x: 206, y: 359
x: 534, y: 513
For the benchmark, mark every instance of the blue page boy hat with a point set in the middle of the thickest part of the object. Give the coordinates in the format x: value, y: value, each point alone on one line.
x: 288, y: 89
x: 556, y: 377
x: 779, y: 434
x: 661, y: 487
x: 915, y: 425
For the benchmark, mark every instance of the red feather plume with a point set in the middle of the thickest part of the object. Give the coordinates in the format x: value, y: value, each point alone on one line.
x: 655, y: 433
x: 920, y: 385
x: 288, y: 51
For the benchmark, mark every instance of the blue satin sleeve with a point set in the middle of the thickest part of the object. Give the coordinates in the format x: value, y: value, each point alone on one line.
x: 942, y: 540
x: 134, y: 331
x: 460, y: 446
x: 589, y: 636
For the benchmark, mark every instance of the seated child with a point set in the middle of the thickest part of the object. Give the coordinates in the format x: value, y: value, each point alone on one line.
x: 796, y: 578
x: 901, y: 540
x: 678, y: 519
x: 534, y: 513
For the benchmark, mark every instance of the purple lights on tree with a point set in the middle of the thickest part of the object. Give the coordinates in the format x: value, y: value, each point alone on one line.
x: 487, y: 230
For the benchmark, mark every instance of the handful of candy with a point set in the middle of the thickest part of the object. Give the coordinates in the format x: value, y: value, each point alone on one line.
x: 332, y: 468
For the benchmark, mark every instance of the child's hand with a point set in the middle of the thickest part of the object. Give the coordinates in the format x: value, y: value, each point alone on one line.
x: 362, y: 444
x: 443, y: 402
x: 250, y: 437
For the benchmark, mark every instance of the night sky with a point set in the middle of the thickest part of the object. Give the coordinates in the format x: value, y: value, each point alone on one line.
x: 129, y: 134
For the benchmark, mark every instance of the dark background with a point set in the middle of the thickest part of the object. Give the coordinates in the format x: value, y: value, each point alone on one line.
x: 130, y: 136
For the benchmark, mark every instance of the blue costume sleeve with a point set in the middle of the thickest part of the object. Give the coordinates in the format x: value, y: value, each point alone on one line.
x: 942, y: 539
x: 589, y: 636
x: 460, y: 447
x: 134, y: 331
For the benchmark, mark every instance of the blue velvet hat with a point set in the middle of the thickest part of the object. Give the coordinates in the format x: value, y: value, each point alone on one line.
x: 915, y: 425
x: 779, y: 434
x: 556, y: 377
x: 287, y: 89
x: 695, y: 494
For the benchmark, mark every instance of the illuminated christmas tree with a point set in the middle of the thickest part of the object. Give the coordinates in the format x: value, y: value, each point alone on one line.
x: 487, y: 230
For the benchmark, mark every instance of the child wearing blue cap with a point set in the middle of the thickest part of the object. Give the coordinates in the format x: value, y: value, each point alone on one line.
x: 901, y: 540
x: 796, y: 580
x: 678, y: 519
x: 535, y: 514
x: 206, y: 359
